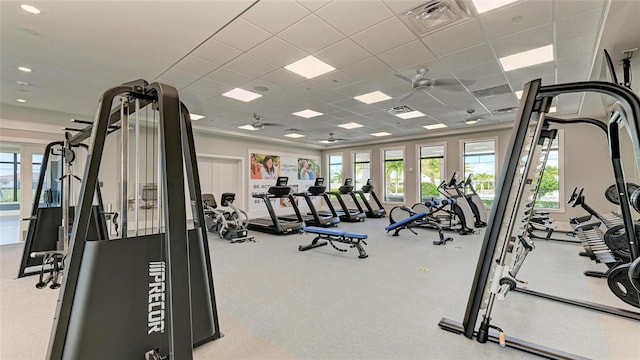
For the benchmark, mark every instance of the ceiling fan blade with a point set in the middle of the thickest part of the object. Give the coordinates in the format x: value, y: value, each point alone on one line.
x: 271, y: 124
x: 406, y: 96
x: 404, y: 78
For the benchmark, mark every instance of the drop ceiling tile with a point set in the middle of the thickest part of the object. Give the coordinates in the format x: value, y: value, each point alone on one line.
x: 283, y: 78
x: 580, y: 45
x: 210, y: 86
x: 335, y: 79
x: 499, y: 101
x: 228, y: 76
x: 408, y: 54
x: 528, y: 14
x: 584, y: 23
x: 384, y: 36
x: 250, y: 65
x: 305, y: 34
x: 307, y: 88
x: 251, y: 86
x: 544, y: 72
x: 342, y: 53
x: 192, y: 97
x: 274, y: 16
x: 177, y: 78
x: 241, y: 34
x: 468, y: 57
x: 313, y: 5
x: 567, y: 8
x: 488, y: 81
x: 367, y: 68
x: 523, y: 41
x: 351, y: 17
x: 434, y: 69
x: 194, y: 65
x: 479, y: 70
x: 455, y: 38
x: 278, y: 52
x: 400, y: 6
x: 215, y: 52
x: 576, y: 64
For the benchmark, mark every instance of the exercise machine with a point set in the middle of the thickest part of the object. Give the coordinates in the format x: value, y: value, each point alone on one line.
x: 275, y: 224
x: 505, y: 236
x: 444, y: 213
x: 313, y: 218
x: 402, y: 217
x: 462, y: 206
x: 346, y: 214
x: 230, y: 225
x: 474, y: 200
x: 354, y: 240
x: 148, y: 292
x: 367, y: 189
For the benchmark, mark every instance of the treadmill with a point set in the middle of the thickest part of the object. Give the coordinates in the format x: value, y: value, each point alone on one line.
x: 371, y: 212
x: 346, y: 214
x: 313, y: 218
x: 274, y: 224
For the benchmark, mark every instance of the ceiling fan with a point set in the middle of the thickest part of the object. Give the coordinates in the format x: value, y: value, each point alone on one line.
x: 332, y: 138
x: 420, y: 83
x: 259, y: 124
x: 471, y: 119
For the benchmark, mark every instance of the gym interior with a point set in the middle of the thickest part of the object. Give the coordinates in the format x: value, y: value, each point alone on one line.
x: 347, y: 179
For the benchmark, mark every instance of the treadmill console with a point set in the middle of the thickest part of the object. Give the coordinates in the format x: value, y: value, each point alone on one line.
x: 347, y: 187
x: 281, y: 189
x: 368, y: 187
x: 282, y: 181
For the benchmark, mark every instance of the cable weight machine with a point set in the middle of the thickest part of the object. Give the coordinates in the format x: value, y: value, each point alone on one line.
x: 148, y: 292
x: 505, y: 243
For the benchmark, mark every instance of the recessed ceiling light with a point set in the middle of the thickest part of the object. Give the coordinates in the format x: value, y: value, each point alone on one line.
x: 309, y: 67
x: 378, y: 134
x: 30, y: 9
x: 24, y: 68
x: 410, y: 115
x: 435, y: 126
x: 552, y: 109
x: 482, y: 6
x: 471, y: 121
x: 373, y: 97
x: 241, y: 94
x: 21, y: 100
x: 351, y: 125
x: 248, y: 127
x: 527, y: 58
x: 22, y: 83
x: 294, y: 135
x: 307, y: 114
x: 195, y: 116
x: 519, y: 94
x: 325, y: 141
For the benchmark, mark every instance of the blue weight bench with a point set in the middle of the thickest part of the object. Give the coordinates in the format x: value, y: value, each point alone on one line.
x: 405, y: 224
x: 334, y: 235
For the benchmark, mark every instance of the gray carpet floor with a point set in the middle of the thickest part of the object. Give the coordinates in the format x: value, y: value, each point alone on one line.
x: 275, y: 302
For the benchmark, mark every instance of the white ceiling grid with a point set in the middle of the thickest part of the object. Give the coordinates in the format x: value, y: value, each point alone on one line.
x: 365, y: 41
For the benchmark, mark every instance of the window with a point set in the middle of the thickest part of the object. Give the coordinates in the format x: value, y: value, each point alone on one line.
x: 335, y: 172
x: 9, y: 177
x: 431, y: 170
x: 361, y: 168
x: 393, y: 175
x: 549, y: 191
x: 480, y: 160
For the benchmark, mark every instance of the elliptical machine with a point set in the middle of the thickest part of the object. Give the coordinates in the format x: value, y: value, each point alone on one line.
x: 230, y: 225
x: 474, y: 200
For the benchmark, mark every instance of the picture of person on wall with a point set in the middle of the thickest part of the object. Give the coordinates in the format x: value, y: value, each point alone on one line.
x: 255, y: 168
x: 269, y: 169
x: 307, y: 169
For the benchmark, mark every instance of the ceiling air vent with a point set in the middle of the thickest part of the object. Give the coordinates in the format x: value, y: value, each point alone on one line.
x: 504, y: 110
x: 435, y: 15
x: 492, y: 91
x: 399, y: 110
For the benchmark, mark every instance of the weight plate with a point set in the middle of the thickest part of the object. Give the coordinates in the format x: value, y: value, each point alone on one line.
x: 616, y: 240
x: 635, y: 200
x: 621, y: 285
x: 634, y: 273
x: 397, y: 213
x: 612, y: 192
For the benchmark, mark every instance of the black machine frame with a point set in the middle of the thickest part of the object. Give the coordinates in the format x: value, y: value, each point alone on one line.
x: 184, y: 252
x: 537, y: 99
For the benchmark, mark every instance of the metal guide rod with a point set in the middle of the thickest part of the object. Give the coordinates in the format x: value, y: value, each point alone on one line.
x: 124, y: 165
x: 66, y: 193
x: 137, y: 170
x: 159, y: 177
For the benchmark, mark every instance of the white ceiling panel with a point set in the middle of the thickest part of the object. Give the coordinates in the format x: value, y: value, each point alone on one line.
x: 343, y: 53
x: 265, y: 13
x: 468, y: 57
x: 194, y: 65
x: 434, y: 67
x: 582, y: 24
x: 384, y: 36
x: 210, y: 86
x: 283, y: 78
x: 406, y: 55
x: 251, y: 85
x: 351, y: 17
x: 300, y: 34
x: 241, y: 34
x: 479, y: 70
x: 216, y: 52
x: 515, y: 18
x: 334, y: 79
x: 400, y: 6
x: 567, y: 8
x: 228, y: 76
x: 367, y: 68
x: 250, y: 65
x: 518, y: 80
x: 499, y: 101
x: 523, y: 41
x: 461, y: 36
x: 313, y: 5
x: 177, y: 78
x: 194, y: 98
x: 576, y: 46
x: 488, y: 81
x: 278, y: 52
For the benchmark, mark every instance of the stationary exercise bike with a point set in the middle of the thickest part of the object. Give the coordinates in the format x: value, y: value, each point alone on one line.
x: 230, y: 225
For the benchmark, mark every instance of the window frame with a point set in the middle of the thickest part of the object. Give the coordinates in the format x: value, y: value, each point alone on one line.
x: 354, y: 163
x: 561, y: 194
x: 328, y: 179
x: 496, y: 161
x: 384, y: 178
x: 419, y: 163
